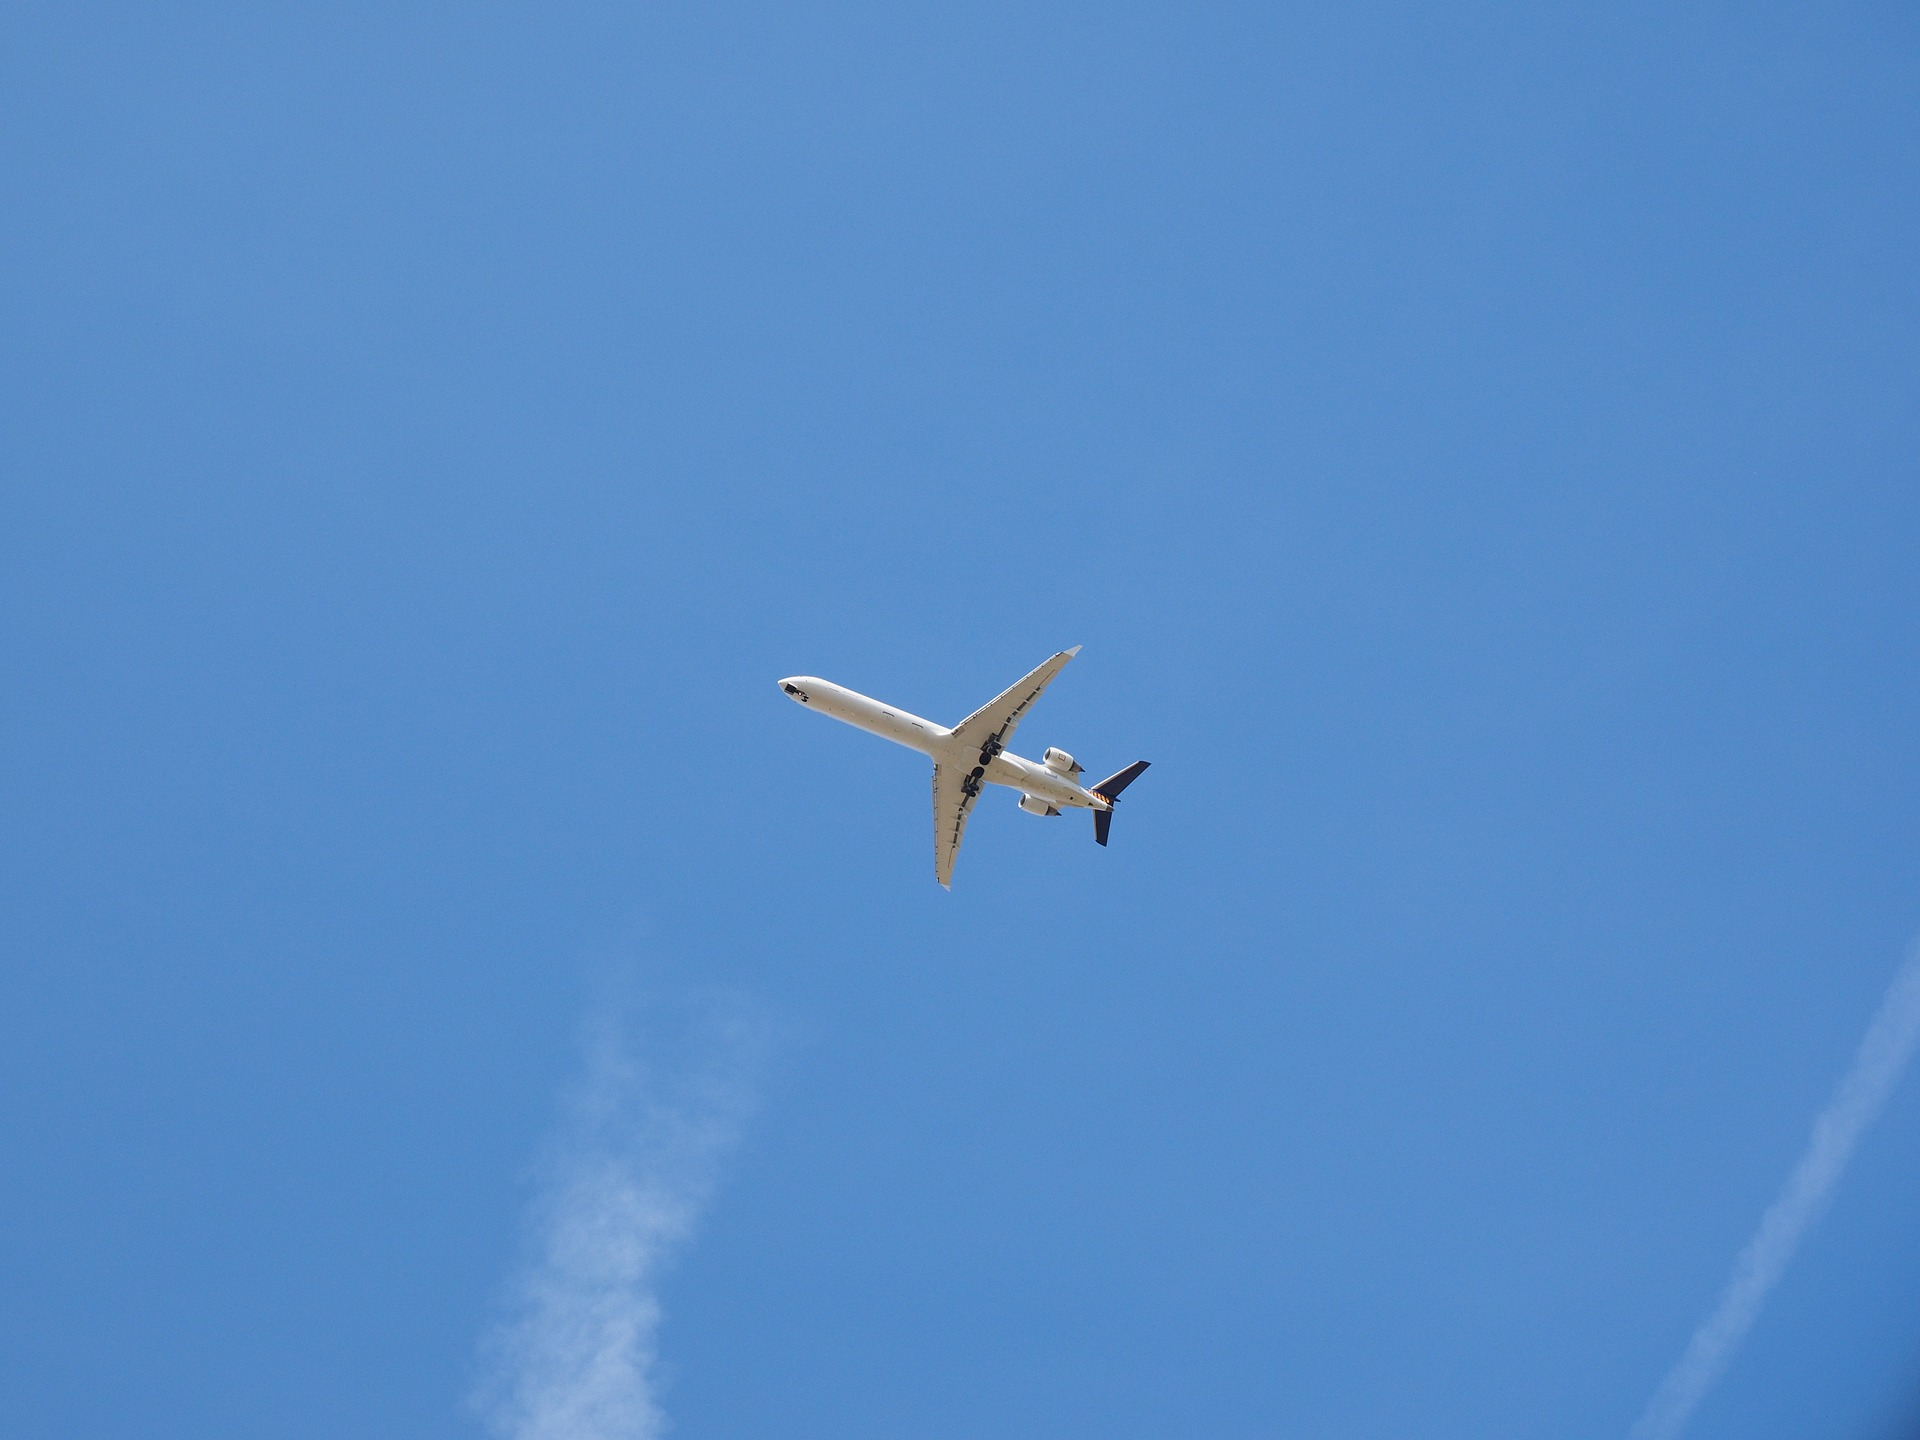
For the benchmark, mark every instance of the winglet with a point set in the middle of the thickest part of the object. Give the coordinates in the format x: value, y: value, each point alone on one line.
x: 1074, y: 651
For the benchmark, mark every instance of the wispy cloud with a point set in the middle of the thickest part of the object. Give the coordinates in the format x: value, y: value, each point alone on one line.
x: 621, y: 1186
x: 1877, y: 1066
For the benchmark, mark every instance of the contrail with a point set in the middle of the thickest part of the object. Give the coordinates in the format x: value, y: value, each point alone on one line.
x: 622, y: 1185
x: 1883, y: 1055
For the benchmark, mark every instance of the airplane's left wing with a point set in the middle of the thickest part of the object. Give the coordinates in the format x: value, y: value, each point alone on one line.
x: 954, y: 791
x: 992, y: 725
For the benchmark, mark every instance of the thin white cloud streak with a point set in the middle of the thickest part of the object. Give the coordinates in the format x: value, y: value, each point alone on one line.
x: 622, y: 1185
x: 1884, y: 1051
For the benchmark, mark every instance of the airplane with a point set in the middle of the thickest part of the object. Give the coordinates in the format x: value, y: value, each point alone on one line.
x: 974, y: 753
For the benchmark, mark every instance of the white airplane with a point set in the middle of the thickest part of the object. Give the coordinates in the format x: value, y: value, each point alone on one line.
x: 974, y: 753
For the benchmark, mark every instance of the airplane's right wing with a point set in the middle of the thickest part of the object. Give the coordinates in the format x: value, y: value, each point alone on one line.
x: 954, y: 791
x: 957, y: 786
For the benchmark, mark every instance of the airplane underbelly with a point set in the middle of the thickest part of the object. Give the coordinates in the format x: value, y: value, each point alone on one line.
x: 874, y: 717
x: 1033, y: 780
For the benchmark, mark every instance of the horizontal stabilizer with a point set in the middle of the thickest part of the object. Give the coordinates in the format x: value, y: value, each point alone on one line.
x: 1109, y: 789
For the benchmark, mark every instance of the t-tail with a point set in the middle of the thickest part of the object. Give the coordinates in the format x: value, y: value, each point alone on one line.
x: 1109, y: 790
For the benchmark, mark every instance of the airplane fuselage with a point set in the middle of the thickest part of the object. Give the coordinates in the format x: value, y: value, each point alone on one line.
x: 890, y: 722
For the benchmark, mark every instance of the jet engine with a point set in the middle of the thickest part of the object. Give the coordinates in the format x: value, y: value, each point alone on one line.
x: 1034, y: 805
x: 1061, y: 763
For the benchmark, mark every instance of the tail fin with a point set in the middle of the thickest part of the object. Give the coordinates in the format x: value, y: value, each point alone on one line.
x: 1109, y: 790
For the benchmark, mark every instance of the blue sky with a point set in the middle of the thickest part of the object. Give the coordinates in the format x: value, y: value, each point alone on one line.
x: 1474, y: 445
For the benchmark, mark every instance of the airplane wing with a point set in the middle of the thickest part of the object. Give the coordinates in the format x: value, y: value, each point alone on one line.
x: 957, y: 786
x: 992, y: 725
x: 954, y: 791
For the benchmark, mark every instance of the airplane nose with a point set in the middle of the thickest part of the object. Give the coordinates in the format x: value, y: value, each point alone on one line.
x: 791, y: 686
